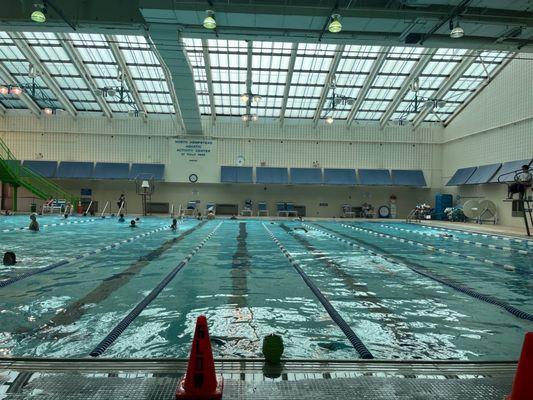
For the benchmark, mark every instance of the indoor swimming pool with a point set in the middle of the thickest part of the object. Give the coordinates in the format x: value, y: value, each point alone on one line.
x: 405, y: 291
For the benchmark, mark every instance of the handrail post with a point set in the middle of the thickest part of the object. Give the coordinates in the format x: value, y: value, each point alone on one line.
x: 105, y: 208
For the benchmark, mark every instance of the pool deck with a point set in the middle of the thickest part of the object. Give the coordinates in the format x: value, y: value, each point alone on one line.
x: 252, y: 379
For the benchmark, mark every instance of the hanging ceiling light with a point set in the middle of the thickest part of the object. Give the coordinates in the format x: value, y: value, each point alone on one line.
x: 17, y: 91
x: 254, y: 117
x: 48, y: 111
x: 4, y: 90
x: 456, y: 32
x: 335, y: 25
x: 256, y: 99
x: 245, y: 117
x: 329, y: 120
x: 209, y: 21
x: 39, y: 15
x: 245, y: 97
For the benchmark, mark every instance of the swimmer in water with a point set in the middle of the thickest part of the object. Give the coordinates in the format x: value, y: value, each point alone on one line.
x: 121, y: 218
x: 174, y: 225
x: 300, y: 229
x: 132, y: 224
x: 445, y: 235
x: 9, y: 258
x: 34, y: 225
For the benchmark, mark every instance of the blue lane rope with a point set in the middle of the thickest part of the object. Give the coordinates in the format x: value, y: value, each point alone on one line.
x: 10, y: 281
x: 357, y: 343
x: 25, y: 228
x: 128, y: 319
x: 421, y: 271
x: 486, y: 235
x: 507, y: 267
x: 454, y: 239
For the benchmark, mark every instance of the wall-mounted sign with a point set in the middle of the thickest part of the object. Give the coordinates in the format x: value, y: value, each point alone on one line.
x: 191, y: 156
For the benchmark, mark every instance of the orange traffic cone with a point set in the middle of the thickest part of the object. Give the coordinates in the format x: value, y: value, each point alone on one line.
x: 523, y: 379
x: 201, y: 382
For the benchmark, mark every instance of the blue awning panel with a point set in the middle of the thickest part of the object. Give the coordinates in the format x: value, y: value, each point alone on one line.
x: 236, y: 174
x: 111, y: 171
x: 374, y: 177
x: 271, y: 175
x: 408, y: 177
x: 461, y: 176
x: 508, y: 170
x: 75, y: 170
x: 306, y: 176
x: 483, y: 174
x: 146, y: 171
x: 43, y: 168
x: 335, y: 176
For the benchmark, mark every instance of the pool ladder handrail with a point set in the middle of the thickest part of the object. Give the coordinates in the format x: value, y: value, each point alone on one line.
x: 105, y: 208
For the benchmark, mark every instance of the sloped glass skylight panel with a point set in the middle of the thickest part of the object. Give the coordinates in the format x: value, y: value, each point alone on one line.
x: 228, y: 60
x: 195, y: 55
x: 311, y: 67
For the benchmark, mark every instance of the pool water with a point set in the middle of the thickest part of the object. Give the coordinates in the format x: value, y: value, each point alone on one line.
x: 247, y: 288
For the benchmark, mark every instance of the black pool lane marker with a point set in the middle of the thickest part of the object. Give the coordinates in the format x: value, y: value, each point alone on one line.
x: 109, y: 285
x: 357, y: 344
x: 240, y: 267
x: 421, y: 270
x: 128, y: 319
x: 398, y: 327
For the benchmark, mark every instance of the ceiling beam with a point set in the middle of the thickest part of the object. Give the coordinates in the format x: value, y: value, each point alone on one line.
x: 209, y: 78
x: 249, y: 55
x: 84, y: 73
x: 287, y: 89
x: 168, y: 80
x: 2, y: 111
x: 24, y: 97
x: 413, y: 75
x: 376, y: 67
x: 339, y: 49
x: 468, y: 59
x: 50, y: 82
x: 119, y: 58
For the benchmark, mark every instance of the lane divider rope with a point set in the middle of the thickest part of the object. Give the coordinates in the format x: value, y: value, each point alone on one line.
x: 485, y: 235
x: 25, y: 228
x: 10, y: 281
x: 444, y: 281
x: 128, y: 319
x: 506, y: 267
x: 478, y: 244
x: 357, y: 343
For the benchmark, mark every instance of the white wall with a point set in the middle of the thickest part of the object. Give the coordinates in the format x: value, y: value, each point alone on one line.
x: 497, y: 126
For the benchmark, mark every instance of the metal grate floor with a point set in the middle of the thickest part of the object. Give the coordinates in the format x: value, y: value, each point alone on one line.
x: 248, y: 380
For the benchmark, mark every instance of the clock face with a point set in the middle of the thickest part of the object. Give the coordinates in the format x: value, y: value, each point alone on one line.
x: 193, y: 178
x: 239, y: 160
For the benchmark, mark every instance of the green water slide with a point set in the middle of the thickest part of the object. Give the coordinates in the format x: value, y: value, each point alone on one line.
x: 17, y: 175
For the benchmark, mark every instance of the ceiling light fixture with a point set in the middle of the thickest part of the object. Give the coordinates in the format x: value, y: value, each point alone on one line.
x: 4, y: 90
x: 209, y: 21
x: 456, y: 32
x: 17, y: 91
x: 48, y: 111
x: 335, y: 25
x: 249, y: 117
x: 245, y: 117
x: 256, y: 99
x: 39, y: 15
x: 245, y: 97
x: 329, y: 120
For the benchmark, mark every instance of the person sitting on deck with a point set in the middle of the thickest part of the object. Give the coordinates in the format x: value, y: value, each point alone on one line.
x: 34, y: 225
x: 523, y: 180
